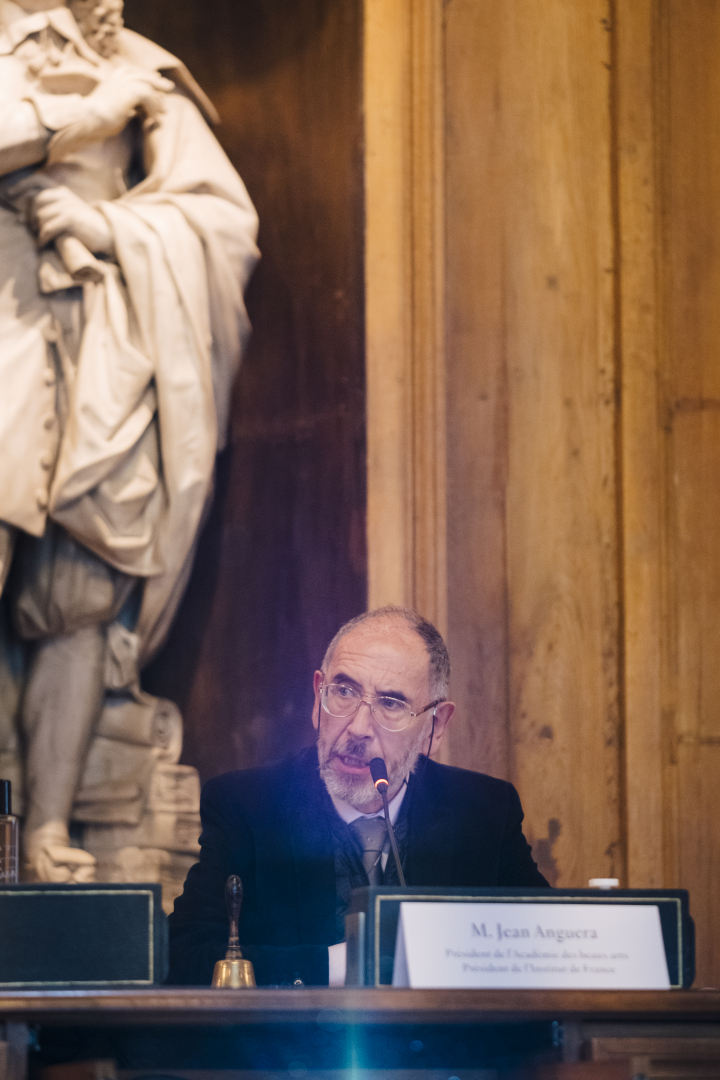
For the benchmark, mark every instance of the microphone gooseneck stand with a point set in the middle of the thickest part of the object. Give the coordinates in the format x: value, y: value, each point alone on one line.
x: 378, y: 771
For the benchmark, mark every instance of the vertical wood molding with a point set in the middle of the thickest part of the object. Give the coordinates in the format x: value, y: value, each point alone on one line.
x: 403, y: 103
x: 428, y: 304
x: 641, y: 439
x: 561, y: 504
x: 388, y: 293
x: 476, y: 384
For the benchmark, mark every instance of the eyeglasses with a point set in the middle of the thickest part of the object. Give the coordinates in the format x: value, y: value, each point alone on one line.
x: 391, y: 713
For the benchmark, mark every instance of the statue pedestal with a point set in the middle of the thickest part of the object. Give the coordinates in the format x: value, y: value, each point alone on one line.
x: 162, y: 846
x: 139, y: 809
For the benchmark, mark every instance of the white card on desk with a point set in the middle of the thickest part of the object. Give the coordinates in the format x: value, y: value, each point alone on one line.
x: 531, y: 946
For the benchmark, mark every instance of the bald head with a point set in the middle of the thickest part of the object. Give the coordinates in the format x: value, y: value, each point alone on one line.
x: 393, y: 619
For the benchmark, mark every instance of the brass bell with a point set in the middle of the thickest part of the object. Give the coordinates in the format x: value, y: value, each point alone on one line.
x: 233, y: 971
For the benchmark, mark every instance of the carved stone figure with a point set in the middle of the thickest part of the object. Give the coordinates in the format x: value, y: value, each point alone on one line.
x: 126, y: 239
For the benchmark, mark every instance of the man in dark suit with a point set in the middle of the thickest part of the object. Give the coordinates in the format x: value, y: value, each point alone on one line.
x: 297, y: 832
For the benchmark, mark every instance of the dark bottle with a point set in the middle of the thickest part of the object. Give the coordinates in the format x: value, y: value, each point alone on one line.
x: 8, y: 836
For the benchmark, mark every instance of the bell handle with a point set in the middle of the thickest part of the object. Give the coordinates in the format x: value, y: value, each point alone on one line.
x: 233, y: 902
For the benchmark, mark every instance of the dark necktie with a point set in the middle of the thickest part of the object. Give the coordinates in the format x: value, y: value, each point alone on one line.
x: 372, y: 833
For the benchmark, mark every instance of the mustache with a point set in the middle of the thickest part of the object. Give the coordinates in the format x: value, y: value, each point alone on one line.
x: 353, y: 748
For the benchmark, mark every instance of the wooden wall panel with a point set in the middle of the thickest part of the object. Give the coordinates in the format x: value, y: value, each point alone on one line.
x: 562, y: 556
x: 282, y: 561
x: 690, y: 167
x: 476, y: 386
x: 642, y: 462
x: 532, y: 548
x: 697, y: 850
x: 583, y: 389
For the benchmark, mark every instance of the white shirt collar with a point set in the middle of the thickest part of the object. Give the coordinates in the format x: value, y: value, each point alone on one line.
x: 349, y: 813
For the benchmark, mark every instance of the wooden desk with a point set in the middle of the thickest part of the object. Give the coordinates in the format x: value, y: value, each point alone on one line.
x: 577, y: 1015
x: 355, y: 1006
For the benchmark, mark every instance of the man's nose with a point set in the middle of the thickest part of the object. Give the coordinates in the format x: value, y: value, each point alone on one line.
x: 361, y: 722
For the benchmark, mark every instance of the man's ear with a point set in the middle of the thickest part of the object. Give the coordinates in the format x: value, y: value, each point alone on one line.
x: 317, y: 684
x: 443, y: 715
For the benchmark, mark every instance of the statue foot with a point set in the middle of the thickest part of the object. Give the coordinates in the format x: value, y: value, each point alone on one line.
x: 49, y: 856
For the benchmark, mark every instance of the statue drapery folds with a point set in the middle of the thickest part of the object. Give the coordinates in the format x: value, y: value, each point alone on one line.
x: 126, y: 240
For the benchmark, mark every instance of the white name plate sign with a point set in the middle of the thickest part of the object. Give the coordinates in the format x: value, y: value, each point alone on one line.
x: 530, y: 946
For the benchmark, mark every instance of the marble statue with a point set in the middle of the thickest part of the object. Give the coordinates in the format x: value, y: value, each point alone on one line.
x: 126, y: 240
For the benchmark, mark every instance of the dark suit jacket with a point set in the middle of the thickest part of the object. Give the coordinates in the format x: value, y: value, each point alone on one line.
x: 273, y: 827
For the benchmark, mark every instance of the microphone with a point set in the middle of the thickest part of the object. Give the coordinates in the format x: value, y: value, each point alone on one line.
x: 378, y: 771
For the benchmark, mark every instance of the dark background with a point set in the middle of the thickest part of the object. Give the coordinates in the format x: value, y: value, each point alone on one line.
x: 281, y: 562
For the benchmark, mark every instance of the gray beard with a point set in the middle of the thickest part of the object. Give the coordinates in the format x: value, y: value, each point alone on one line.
x: 357, y: 790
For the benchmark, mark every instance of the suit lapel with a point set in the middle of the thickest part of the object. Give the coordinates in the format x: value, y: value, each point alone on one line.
x: 309, y: 822
x: 431, y: 831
